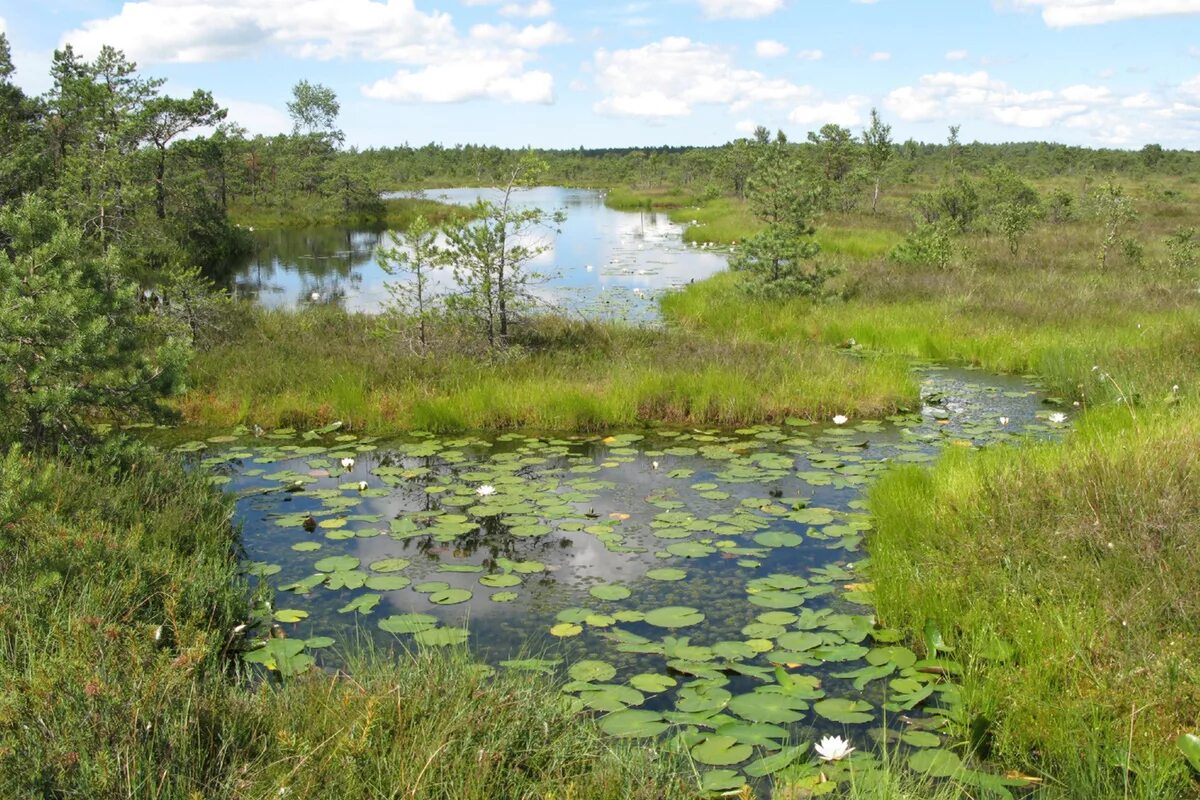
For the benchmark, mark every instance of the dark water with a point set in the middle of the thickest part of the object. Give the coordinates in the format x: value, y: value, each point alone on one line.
x: 564, y: 561
x: 602, y: 263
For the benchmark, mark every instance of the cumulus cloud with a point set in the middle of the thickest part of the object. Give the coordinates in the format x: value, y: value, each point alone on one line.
x: 1106, y: 117
x: 845, y: 112
x: 437, y: 62
x: 880, y: 55
x: 810, y: 55
x: 257, y: 118
x: 739, y: 9
x: 669, y: 78
x: 537, y: 8
x: 956, y: 55
x: 769, y: 48
x: 1070, y: 13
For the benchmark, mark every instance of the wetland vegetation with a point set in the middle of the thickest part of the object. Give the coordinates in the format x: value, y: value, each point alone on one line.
x: 534, y: 510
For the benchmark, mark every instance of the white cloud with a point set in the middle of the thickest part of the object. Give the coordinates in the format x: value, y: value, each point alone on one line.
x: 3, y: 25
x: 438, y: 63
x: 669, y: 78
x: 1070, y: 13
x: 739, y: 9
x: 746, y: 126
x: 810, y: 55
x: 880, y: 55
x: 469, y: 79
x: 537, y: 8
x: 1106, y: 117
x: 957, y: 55
x: 769, y: 48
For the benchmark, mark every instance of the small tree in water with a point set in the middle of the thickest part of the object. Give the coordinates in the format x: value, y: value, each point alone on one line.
x: 414, y: 255
x: 492, y: 255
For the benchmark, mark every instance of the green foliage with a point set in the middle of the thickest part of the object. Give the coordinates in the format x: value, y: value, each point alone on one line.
x: 491, y: 256
x: 1183, y: 250
x: 413, y: 256
x: 780, y: 263
x: 877, y: 141
x: 957, y: 203
x: 1115, y: 211
x: 75, y: 343
x: 929, y: 245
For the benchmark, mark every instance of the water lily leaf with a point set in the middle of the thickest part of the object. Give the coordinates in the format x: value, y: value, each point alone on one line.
x: 290, y: 615
x: 721, y: 781
x: 363, y: 604
x: 306, y: 547
x: 503, y: 597
x: 440, y: 637
x: 633, y: 723
x: 936, y: 763
x: 450, y: 597
x: 318, y: 642
x: 500, y: 581
x: 285, y: 656
x: 408, y: 623
x: 844, y: 710
x: 921, y: 739
x: 611, y: 697
x: 565, y: 630
x: 651, y: 683
x: 347, y: 579
x: 774, y: 707
x: 337, y: 564
x: 773, y: 763
x: 666, y: 574
x: 674, y: 617
x: 759, y: 734
x: 610, y: 591
x: 720, y: 751
x: 592, y: 671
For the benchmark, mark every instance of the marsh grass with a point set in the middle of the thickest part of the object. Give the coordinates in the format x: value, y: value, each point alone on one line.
x: 312, y: 367
x: 94, y: 559
x: 1081, y: 558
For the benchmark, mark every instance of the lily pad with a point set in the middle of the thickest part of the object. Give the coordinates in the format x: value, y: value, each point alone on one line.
x: 674, y: 617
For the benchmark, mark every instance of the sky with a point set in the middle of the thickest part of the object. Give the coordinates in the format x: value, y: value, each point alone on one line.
x: 569, y: 73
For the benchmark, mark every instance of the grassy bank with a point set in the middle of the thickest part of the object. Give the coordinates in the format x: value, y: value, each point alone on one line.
x: 1068, y: 582
x: 308, y: 368
x: 395, y: 213
x: 93, y: 560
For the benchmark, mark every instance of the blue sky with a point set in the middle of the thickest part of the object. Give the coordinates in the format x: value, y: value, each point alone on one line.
x: 565, y: 73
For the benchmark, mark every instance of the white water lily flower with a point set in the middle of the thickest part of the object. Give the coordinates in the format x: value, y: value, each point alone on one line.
x: 654, y: 464
x: 362, y: 486
x: 840, y: 419
x: 347, y: 463
x: 833, y: 748
x: 1058, y: 418
x: 1004, y: 420
x: 315, y: 296
x: 487, y: 490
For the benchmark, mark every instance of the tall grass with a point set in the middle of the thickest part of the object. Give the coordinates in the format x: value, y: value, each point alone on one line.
x: 307, y: 368
x: 1067, y: 579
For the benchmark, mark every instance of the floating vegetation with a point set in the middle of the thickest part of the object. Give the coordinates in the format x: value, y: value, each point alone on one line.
x: 700, y: 586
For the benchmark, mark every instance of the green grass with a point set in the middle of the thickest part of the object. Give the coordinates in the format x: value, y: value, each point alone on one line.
x: 627, y: 199
x: 312, y: 367
x: 1082, y: 558
x: 93, y: 559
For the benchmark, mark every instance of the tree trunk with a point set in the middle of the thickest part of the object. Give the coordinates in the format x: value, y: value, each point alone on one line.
x: 160, y: 192
x: 875, y: 198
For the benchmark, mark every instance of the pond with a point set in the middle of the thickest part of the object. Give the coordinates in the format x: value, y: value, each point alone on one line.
x: 700, y: 584
x: 604, y: 263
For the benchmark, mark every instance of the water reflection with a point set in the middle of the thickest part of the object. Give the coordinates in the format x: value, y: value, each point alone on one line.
x: 605, y: 263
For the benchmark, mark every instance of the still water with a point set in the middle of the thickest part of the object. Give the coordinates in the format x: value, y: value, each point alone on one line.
x: 600, y: 262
